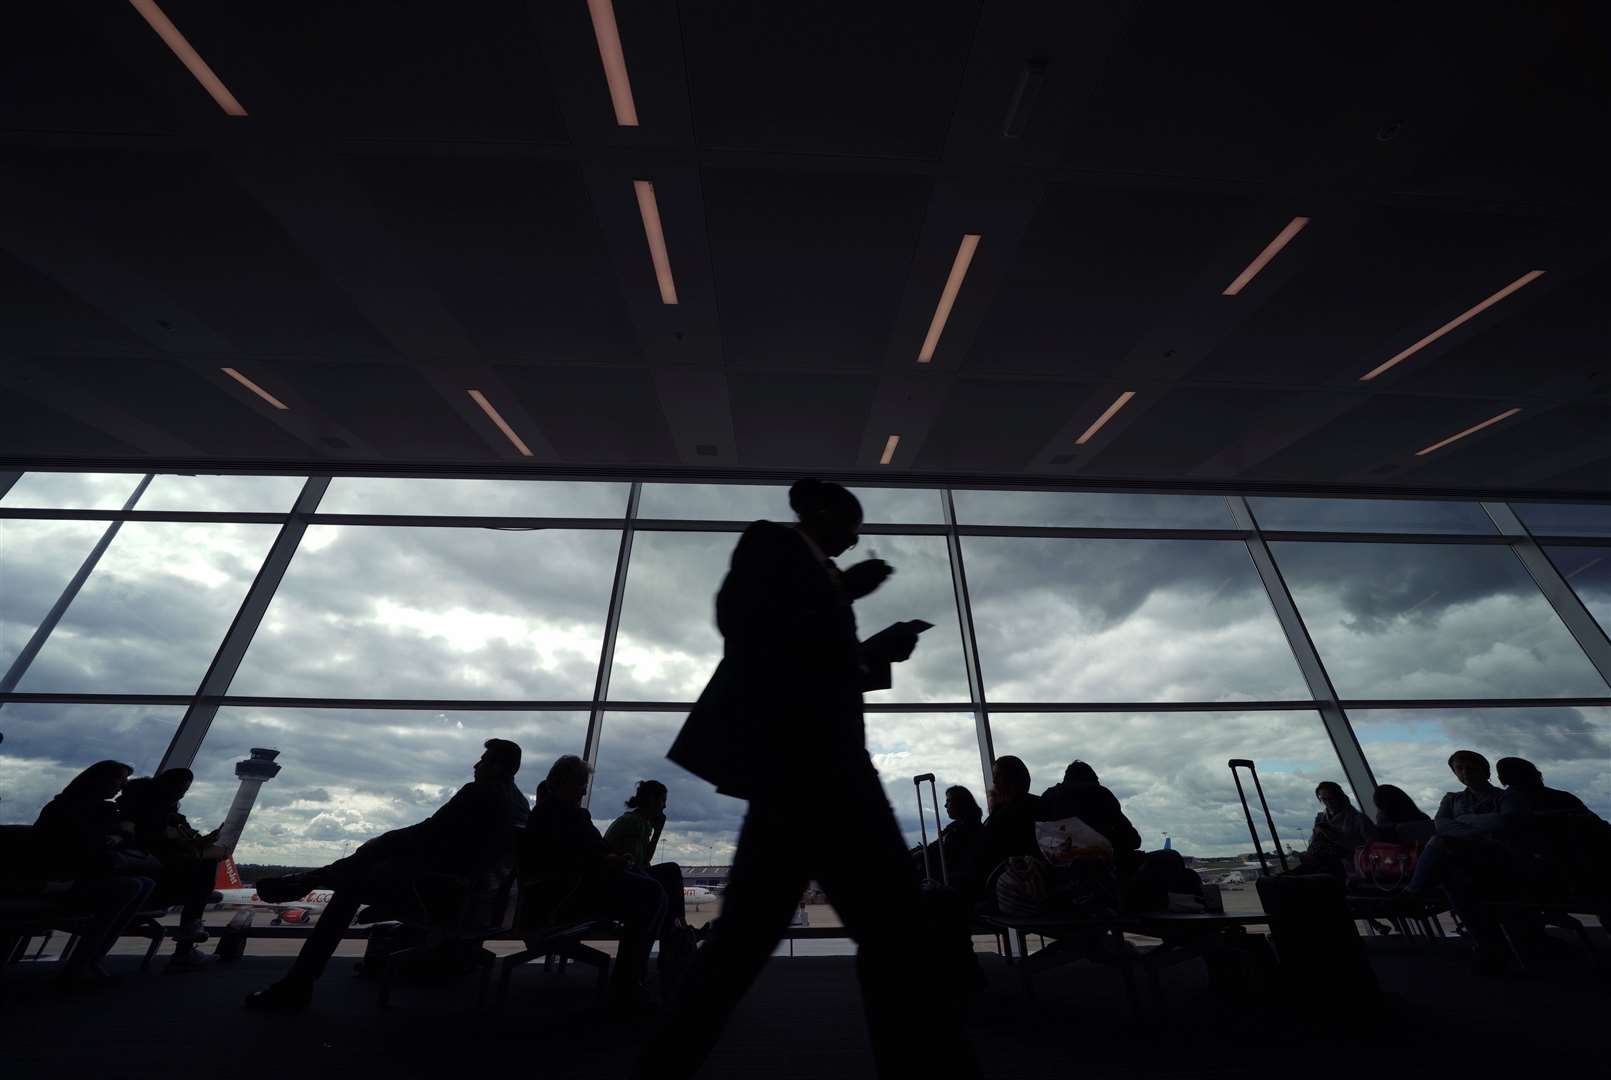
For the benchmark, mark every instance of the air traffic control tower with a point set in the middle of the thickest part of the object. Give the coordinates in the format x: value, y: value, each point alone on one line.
x: 253, y: 772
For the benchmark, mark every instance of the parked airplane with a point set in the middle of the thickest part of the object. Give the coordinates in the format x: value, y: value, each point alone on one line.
x: 698, y: 894
x: 233, y: 895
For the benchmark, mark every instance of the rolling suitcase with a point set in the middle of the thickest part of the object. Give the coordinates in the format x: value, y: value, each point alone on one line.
x: 923, y: 829
x: 1315, y: 939
x: 945, y: 913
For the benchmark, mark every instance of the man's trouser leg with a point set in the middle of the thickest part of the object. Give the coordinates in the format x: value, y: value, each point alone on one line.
x: 327, y: 934
x: 640, y: 904
x: 769, y: 876
x: 913, y: 1012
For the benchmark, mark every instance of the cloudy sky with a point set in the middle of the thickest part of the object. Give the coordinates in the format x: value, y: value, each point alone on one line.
x: 483, y: 614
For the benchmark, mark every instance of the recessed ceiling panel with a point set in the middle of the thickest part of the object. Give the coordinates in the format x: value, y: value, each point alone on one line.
x: 997, y: 425
x: 805, y: 420
x: 595, y: 414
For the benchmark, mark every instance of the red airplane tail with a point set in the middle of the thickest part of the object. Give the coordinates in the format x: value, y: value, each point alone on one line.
x: 228, y: 877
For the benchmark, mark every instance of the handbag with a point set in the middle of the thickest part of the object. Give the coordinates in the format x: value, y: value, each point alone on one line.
x: 1384, y: 865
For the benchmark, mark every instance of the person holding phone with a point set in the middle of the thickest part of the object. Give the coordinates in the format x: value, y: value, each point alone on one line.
x: 780, y: 723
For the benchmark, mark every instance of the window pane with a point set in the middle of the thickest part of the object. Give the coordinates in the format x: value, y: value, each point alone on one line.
x: 1092, y: 510
x: 701, y: 826
x: 1370, y: 515
x: 904, y: 745
x: 1432, y: 620
x: 1125, y: 620
x: 151, y: 616
x: 1169, y: 771
x: 668, y: 645
x: 48, y: 745
x: 1564, y: 519
x: 71, y: 491
x: 37, y: 560
x: 751, y: 502
x: 223, y: 494
x: 383, y: 612
x: 1571, y: 747
x: 349, y: 775
x: 1588, y: 571
x: 485, y: 498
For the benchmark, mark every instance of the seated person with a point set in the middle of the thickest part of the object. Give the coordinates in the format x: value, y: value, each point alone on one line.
x: 1565, y: 845
x: 1467, y: 859
x: 1010, y: 828
x: 636, y: 834
x: 1398, y: 819
x: 960, y: 840
x: 467, y: 836
x: 1339, y: 831
x: 1082, y: 795
x: 78, y: 837
x: 189, y: 859
x: 568, y: 873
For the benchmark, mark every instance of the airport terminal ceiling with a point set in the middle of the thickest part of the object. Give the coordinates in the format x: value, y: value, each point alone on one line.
x: 1127, y: 243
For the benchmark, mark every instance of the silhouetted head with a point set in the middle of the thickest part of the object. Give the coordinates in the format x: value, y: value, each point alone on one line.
x: 1079, y: 773
x: 1395, y: 804
x: 1332, y: 796
x: 960, y: 805
x: 173, y: 784
x: 567, y: 781
x: 1469, y: 767
x: 1518, y: 772
x: 1010, y: 779
x: 650, y: 796
x: 828, y: 513
x: 102, y: 780
x: 499, y: 761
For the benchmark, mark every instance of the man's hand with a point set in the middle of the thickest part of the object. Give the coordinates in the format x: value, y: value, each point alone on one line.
x: 864, y: 577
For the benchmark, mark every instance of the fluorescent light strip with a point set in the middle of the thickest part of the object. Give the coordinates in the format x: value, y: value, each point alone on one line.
x: 614, y: 60
x: 1492, y: 420
x: 657, y: 240
x: 1120, y: 402
x: 497, y: 418
x: 1459, y: 320
x: 188, y: 56
x: 256, y: 389
x: 953, y: 285
x: 889, y: 449
x: 1271, y: 250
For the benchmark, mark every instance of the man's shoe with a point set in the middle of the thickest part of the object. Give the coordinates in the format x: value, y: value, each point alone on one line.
x: 190, y: 932
x: 283, y: 996
x: 283, y: 889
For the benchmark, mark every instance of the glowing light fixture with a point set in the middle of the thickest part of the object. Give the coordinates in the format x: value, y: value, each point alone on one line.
x: 657, y: 240
x: 497, y: 418
x: 188, y: 56
x: 614, y: 61
x: 256, y: 389
x: 1118, y: 403
x: 889, y: 449
x: 1459, y: 320
x: 948, y: 297
x: 1472, y: 430
x: 1271, y: 250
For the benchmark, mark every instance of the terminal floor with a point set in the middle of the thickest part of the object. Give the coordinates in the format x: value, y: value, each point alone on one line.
x: 803, y: 1020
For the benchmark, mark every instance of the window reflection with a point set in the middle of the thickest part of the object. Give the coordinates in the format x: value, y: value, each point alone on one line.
x: 466, y: 498
x: 1169, y: 770
x: 1588, y: 571
x: 1370, y: 515
x: 1125, y: 620
x: 384, y: 612
x: 48, y: 745
x: 1092, y: 510
x: 152, y: 614
x: 1411, y: 748
x: 348, y: 775
x: 71, y: 491
x: 1564, y: 519
x: 1432, y: 620
x: 751, y: 502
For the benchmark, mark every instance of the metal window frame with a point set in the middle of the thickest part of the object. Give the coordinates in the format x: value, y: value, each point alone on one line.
x: 204, y: 705
x: 970, y: 646
x: 612, y: 626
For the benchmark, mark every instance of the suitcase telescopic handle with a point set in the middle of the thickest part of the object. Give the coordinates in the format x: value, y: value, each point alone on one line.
x: 923, y: 778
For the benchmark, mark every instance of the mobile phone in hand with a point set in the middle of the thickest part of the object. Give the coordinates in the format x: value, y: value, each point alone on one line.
x: 919, y: 625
